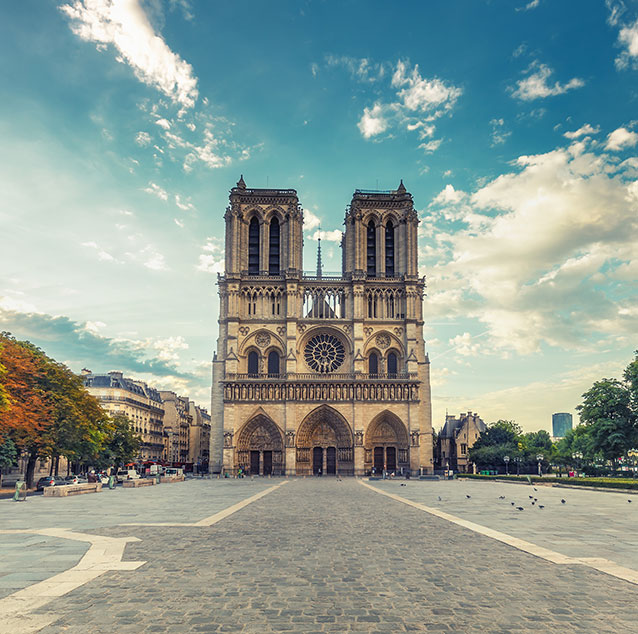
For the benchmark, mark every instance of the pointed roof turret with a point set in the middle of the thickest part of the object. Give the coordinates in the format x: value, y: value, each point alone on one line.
x: 240, y: 183
x: 401, y: 189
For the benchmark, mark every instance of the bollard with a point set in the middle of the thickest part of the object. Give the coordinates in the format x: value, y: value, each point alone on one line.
x: 21, y: 492
x: 158, y: 478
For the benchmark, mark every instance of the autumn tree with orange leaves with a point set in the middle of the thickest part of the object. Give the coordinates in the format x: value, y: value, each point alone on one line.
x: 47, y: 412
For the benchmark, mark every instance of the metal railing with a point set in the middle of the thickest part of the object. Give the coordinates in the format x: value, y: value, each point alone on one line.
x: 312, y: 376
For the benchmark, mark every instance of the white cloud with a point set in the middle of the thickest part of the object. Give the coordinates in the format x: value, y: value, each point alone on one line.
x: 499, y: 133
x: 168, y: 348
x: 431, y: 146
x: 102, y: 255
x: 464, y: 345
x: 143, y: 139
x: 535, y: 85
x: 310, y: 220
x: 184, y: 205
x: 212, y: 260
x: 124, y: 25
x: 582, y: 131
x: 361, y: 69
x: 537, y: 250
x: 449, y: 195
x: 628, y: 41
x: 372, y: 121
x: 179, y: 223
x: 329, y: 236
x: 153, y: 260
x: 156, y: 190
x: 621, y: 138
x: 530, y: 5
x: 163, y: 123
x: 420, y: 93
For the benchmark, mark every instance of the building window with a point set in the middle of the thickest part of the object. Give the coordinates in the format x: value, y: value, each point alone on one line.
x: 373, y: 364
x: 253, y: 363
x: 273, y: 363
x: 372, y: 250
x: 463, y: 449
x: 392, y: 365
x: 389, y: 249
x: 273, y: 249
x: 253, y: 247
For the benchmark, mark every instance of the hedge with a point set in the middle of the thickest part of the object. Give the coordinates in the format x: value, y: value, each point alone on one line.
x: 603, y: 483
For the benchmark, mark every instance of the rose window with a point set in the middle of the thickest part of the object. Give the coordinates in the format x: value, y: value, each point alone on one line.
x: 324, y: 353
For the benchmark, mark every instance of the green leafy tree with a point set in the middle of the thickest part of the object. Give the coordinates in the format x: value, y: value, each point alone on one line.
x: 8, y: 453
x: 500, y: 439
x: 606, y: 412
x: 121, y: 444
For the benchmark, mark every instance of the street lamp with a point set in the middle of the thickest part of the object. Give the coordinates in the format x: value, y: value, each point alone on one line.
x: 506, y: 460
x: 539, y: 458
x: 633, y: 454
x: 518, y: 465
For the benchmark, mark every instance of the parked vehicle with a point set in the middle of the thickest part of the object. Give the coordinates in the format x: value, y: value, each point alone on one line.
x: 50, y: 481
x: 174, y: 471
x: 127, y: 474
x: 74, y: 479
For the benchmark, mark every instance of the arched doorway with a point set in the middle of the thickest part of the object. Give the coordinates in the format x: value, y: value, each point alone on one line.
x: 325, y: 444
x: 386, y: 445
x: 260, y: 447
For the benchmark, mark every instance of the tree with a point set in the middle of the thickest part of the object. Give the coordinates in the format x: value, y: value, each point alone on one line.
x: 502, y: 432
x: 121, y: 443
x: 606, y: 412
x: 631, y: 379
x: 8, y: 453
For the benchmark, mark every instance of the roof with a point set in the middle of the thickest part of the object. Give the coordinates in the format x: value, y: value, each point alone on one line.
x: 117, y: 381
x: 453, y: 425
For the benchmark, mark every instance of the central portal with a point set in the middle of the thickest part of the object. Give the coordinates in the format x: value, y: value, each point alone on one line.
x: 325, y: 444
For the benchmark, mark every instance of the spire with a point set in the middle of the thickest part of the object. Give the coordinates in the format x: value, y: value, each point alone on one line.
x: 240, y: 183
x: 319, y: 265
x: 401, y: 189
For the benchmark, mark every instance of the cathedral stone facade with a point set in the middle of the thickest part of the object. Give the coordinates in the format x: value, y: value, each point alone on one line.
x: 320, y: 374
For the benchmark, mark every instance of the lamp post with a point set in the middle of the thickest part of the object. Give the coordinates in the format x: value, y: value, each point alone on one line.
x: 518, y: 465
x: 539, y: 458
x: 577, y: 456
x: 506, y: 460
x: 633, y: 454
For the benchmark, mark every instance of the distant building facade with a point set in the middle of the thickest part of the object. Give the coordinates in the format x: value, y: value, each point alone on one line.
x: 320, y: 373
x: 456, y: 438
x: 177, y: 423
x: 561, y: 424
x: 135, y: 399
x: 199, y: 437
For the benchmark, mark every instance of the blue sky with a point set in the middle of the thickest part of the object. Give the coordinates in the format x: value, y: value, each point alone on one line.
x: 124, y: 123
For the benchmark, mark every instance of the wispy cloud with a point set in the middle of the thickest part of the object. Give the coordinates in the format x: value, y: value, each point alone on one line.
x: 535, y: 85
x: 620, y: 139
x: 582, y: 131
x: 123, y: 25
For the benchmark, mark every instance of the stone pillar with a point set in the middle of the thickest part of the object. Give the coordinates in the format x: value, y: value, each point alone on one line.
x: 217, y: 418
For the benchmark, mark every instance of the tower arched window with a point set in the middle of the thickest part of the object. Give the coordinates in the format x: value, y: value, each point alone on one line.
x: 389, y: 249
x: 253, y: 247
x: 392, y: 365
x: 373, y: 364
x: 253, y: 363
x: 273, y: 248
x: 273, y: 363
x: 371, y: 250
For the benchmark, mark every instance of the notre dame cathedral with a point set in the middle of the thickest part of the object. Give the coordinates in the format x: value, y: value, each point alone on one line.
x: 320, y: 374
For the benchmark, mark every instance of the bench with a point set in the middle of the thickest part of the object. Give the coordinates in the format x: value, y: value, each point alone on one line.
x: 174, y: 478
x: 65, y: 490
x: 138, y: 482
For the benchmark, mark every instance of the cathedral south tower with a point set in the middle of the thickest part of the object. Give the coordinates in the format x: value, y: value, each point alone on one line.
x: 320, y: 374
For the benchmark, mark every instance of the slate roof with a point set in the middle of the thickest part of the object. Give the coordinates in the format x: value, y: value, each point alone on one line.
x: 115, y: 380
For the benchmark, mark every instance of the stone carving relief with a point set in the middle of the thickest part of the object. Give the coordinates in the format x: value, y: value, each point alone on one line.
x: 301, y: 327
x: 358, y: 438
x: 414, y: 438
x: 347, y: 329
x: 383, y: 340
x: 228, y: 439
x: 367, y: 331
x: 262, y: 339
x: 398, y: 331
x: 290, y: 439
x: 244, y: 330
x: 281, y: 330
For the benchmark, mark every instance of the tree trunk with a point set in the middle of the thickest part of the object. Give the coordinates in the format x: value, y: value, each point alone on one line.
x: 57, y: 464
x: 28, y: 476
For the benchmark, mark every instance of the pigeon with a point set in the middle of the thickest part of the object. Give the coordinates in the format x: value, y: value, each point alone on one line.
x: 535, y: 499
x: 562, y: 501
x: 533, y: 503
x: 540, y: 506
x: 520, y: 508
x: 439, y: 498
x: 501, y: 497
x: 531, y: 497
x: 468, y: 496
x: 629, y: 501
x: 535, y: 489
x: 402, y: 484
x: 513, y: 503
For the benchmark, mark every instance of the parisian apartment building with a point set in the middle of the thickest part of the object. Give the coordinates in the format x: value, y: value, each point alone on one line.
x: 456, y: 438
x: 172, y: 428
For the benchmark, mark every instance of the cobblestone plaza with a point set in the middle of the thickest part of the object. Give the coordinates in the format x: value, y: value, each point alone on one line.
x: 320, y: 555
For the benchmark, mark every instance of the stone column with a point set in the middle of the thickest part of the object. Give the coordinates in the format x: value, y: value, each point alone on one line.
x: 217, y: 418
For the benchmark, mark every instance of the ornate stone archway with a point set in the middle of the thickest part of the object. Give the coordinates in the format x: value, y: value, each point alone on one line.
x: 386, y: 443
x: 260, y: 444
x: 325, y: 430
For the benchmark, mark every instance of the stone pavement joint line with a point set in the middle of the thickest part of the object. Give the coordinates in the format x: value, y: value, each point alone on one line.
x: 597, y: 563
x: 104, y: 554
x: 217, y: 517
